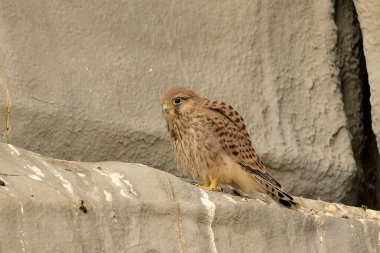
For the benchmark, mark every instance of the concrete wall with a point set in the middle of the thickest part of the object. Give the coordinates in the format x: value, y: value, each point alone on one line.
x: 82, y: 80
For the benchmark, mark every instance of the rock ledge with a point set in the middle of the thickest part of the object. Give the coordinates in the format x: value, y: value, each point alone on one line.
x: 50, y: 205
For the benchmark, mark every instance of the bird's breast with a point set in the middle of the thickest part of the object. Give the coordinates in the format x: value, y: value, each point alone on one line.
x: 187, y: 148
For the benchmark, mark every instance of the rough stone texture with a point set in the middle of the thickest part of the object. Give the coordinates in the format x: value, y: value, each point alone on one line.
x: 354, y: 87
x: 349, y: 50
x: 84, y: 81
x: 50, y: 205
x: 369, y: 17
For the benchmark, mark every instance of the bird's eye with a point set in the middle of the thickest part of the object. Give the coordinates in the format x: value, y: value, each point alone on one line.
x: 177, y: 101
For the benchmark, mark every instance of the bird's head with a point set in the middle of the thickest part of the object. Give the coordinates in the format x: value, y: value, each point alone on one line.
x: 178, y: 101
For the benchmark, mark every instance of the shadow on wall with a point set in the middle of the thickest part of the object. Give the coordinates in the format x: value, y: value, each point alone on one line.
x: 356, y: 97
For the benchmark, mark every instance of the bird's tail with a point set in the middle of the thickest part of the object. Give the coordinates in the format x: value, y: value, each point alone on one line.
x: 265, y: 183
x: 277, y: 194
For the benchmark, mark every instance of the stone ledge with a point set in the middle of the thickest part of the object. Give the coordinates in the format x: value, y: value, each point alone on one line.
x: 50, y: 205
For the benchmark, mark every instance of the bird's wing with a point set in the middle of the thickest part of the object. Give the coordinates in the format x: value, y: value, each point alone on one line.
x: 231, y: 132
x: 229, y: 113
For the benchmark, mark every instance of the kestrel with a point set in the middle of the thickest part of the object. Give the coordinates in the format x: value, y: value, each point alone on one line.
x: 210, y: 142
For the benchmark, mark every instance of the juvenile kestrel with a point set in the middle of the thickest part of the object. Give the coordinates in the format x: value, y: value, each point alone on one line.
x: 210, y: 142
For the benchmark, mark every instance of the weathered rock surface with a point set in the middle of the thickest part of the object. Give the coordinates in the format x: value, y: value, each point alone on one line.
x: 369, y: 17
x: 349, y: 53
x: 82, y: 81
x: 50, y: 205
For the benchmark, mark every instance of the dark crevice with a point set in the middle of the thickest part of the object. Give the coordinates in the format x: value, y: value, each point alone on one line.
x: 348, y: 51
x: 356, y: 98
x: 370, y: 157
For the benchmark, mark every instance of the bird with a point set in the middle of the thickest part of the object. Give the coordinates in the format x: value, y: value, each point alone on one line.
x: 210, y: 142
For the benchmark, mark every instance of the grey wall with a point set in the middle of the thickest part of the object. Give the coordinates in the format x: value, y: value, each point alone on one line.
x: 82, y: 80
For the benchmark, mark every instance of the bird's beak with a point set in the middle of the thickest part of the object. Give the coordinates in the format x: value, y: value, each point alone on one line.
x: 165, y: 108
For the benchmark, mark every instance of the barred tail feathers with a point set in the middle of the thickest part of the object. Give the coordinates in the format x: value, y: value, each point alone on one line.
x: 265, y: 185
x: 276, y: 194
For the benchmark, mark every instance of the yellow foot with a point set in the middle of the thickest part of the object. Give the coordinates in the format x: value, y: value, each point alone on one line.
x: 204, y: 185
x: 212, y: 188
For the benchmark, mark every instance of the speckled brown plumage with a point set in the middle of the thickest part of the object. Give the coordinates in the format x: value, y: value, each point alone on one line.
x: 210, y: 142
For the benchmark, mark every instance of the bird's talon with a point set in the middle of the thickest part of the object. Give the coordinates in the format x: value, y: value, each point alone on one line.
x: 212, y: 188
x: 202, y: 186
x: 216, y: 189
